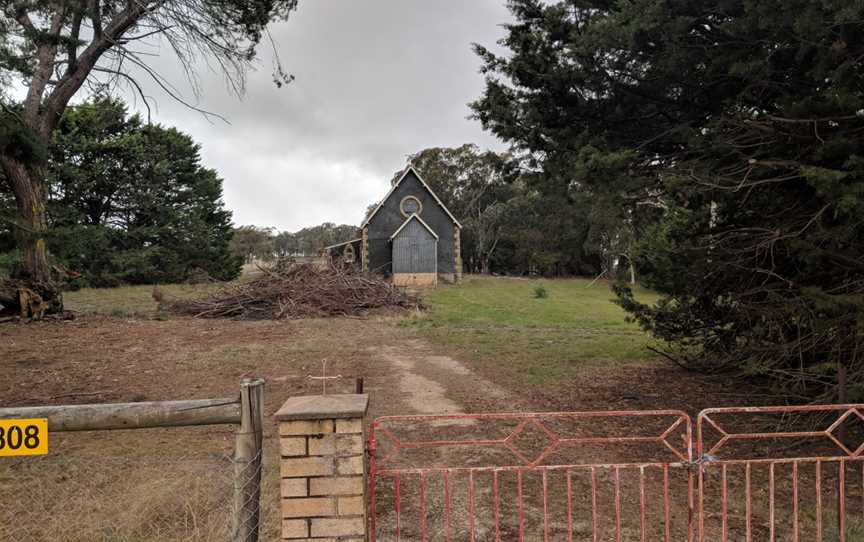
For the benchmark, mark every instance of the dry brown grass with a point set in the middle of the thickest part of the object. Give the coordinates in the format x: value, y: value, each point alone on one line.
x: 157, y: 485
x: 130, y: 486
x: 144, y: 485
x: 117, y: 487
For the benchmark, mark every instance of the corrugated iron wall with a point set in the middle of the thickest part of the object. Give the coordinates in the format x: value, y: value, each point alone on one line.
x: 389, y: 218
x: 415, y: 250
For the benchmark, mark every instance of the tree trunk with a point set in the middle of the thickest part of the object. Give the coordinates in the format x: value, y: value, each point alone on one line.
x: 35, y: 292
x: 487, y: 259
x: 632, y: 272
x: 842, y: 389
x: 32, y: 226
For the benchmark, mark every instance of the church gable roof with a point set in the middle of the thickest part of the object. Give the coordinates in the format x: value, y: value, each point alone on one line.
x: 409, y: 219
x: 410, y: 169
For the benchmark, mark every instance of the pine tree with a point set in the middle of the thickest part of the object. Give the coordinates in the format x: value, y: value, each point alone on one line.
x: 729, y: 135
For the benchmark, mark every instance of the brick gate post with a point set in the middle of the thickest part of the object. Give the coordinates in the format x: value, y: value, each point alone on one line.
x: 323, y: 468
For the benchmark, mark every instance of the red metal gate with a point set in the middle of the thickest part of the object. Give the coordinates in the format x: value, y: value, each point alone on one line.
x: 530, y: 476
x: 781, y: 473
x: 622, y: 475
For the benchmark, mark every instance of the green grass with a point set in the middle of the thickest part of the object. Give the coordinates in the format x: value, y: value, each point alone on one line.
x: 137, y: 301
x: 503, y: 322
x: 500, y: 322
x: 131, y: 301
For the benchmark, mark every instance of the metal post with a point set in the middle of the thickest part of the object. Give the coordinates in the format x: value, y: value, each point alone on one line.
x: 842, y: 398
x: 247, y: 462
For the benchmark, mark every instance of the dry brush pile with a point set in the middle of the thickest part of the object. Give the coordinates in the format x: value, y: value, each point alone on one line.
x: 298, y: 291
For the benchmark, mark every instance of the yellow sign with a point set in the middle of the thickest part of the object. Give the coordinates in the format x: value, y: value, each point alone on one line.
x: 23, y: 437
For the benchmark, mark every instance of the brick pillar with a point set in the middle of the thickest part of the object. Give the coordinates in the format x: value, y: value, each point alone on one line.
x: 323, y: 467
x: 364, y: 249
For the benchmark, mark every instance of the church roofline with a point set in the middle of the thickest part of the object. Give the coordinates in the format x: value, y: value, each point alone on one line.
x: 408, y: 169
x: 407, y: 220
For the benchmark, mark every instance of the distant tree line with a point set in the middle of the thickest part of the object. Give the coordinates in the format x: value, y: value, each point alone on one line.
x: 511, y: 226
x: 254, y: 243
x: 719, y: 146
x: 128, y: 203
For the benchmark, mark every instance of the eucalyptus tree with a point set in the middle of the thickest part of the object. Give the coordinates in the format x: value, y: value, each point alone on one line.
x: 56, y: 48
x: 475, y: 185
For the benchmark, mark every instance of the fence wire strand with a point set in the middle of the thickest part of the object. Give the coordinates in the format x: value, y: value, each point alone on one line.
x: 247, y: 476
x: 113, y: 487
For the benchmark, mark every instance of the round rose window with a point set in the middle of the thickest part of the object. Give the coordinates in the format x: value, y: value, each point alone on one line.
x: 410, y: 205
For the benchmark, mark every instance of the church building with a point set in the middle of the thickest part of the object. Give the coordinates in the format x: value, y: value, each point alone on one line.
x: 410, y: 236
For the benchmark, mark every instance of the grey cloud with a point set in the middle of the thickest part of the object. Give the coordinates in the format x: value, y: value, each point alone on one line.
x: 375, y: 80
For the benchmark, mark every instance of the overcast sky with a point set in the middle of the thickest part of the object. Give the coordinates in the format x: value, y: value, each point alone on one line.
x: 375, y: 81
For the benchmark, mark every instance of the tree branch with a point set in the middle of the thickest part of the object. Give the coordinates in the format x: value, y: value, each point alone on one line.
x: 133, y: 82
x: 72, y: 81
x: 96, y: 17
x: 72, y: 46
x: 46, y: 52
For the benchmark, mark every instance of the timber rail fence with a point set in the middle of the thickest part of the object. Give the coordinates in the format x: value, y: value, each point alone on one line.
x: 136, y: 487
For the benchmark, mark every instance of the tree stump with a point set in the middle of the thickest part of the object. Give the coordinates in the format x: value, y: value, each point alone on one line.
x: 28, y: 301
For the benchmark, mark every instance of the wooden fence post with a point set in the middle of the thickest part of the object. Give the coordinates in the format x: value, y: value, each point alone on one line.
x: 247, y: 462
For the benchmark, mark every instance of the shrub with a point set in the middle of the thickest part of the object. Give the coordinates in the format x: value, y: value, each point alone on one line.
x: 540, y: 292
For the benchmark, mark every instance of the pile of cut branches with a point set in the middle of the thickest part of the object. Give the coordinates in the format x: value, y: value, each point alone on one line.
x: 298, y: 291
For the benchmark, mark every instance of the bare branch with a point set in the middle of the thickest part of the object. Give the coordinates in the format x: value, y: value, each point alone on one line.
x: 66, y: 88
x: 131, y: 80
x: 165, y: 86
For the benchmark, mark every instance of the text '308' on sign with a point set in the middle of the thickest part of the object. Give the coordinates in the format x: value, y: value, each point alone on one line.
x: 23, y: 437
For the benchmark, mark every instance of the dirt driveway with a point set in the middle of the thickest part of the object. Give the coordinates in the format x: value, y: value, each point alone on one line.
x: 101, y: 359
x: 137, y: 481
x: 175, y: 484
x: 106, y: 359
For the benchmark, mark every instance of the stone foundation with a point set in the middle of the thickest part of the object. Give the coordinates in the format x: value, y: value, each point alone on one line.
x: 415, y: 279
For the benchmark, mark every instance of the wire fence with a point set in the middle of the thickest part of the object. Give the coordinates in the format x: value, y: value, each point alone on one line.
x: 247, y: 476
x: 130, y: 487
x: 149, y: 485
x: 191, y: 470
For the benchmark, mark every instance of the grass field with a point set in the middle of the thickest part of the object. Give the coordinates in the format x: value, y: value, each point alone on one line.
x: 503, y: 322
x: 138, y: 301
x: 486, y: 345
x: 494, y: 321
x: 131, y: 300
